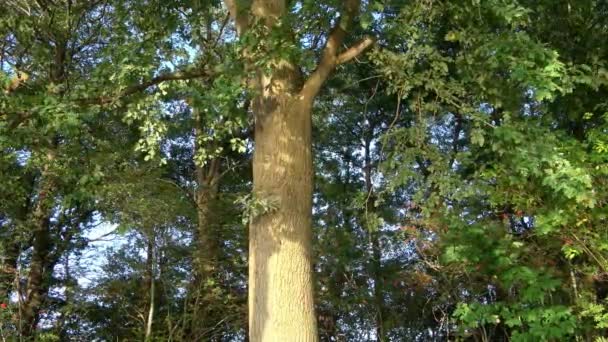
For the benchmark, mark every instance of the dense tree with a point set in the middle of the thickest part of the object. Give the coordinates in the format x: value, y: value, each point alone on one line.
x: 273, y: 170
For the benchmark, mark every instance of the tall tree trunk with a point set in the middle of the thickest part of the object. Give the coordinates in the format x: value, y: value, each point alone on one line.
x: 281, y: 304
x: 205, y: 259
x: 208, y: 183
x: 36, y: 288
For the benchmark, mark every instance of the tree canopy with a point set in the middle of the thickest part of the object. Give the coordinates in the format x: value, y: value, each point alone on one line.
x: 271, y: 170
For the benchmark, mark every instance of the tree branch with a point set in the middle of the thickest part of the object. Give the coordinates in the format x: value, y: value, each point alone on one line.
x: 330, y: 56
x: 171, y: 76
x: 107, y: 99
x: 355, y: 50
x: 325, y: 66
x: 238, y: 15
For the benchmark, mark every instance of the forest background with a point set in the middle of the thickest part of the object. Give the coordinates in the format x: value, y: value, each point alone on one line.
x: 382, y: 170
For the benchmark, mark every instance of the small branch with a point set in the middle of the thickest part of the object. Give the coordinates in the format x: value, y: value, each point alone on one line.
x: 173, y: 76
x: 221, y: 32
x: 103, y: 236
x: 455, y: 137
x: 355, y: 50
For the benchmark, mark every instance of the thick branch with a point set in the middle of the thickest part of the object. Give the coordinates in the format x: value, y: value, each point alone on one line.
x: 326, y: 64
x: 329, y: 57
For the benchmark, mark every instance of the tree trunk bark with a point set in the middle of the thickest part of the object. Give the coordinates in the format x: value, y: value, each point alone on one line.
x: 281, y: 305
x: 42, y: 262
x: 36, y: 288
x: 40, y: 265
x: 207, y: 179
x: 208, y: 183
x: 281, y: 301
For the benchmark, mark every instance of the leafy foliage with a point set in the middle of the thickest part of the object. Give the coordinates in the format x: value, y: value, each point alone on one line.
x: 460, y: 169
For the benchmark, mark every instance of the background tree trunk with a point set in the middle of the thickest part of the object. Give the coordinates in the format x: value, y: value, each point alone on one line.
x: 206, y: 255
x: 41, y: 265
x: 150, y: 262
x: 374, y: 236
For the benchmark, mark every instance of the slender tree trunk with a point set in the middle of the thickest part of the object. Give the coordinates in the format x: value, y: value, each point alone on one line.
x: 205, y: 262
x: 374, y: 234
x: 378, y: 286
x: 208, y: 183
x: 39, y: 274
x: 150, y: 318
x: 207, y: 179
x: 37, y: 283
x: 151, y: 286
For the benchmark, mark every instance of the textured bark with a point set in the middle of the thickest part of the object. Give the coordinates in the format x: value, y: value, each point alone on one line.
x: 280, y: 272
x: 41, y: 263
x: 281, y: 304
x: 206, y: 256
x: 208, y: 182
x: 205, y: 265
